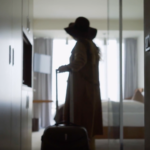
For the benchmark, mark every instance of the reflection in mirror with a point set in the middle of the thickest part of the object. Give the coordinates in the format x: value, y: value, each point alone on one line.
x: 113, y: 75
x: 133, y: 75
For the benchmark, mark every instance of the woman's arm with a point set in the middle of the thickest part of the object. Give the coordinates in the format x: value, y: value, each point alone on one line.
x: 80, y: 57
x: 79, y: 60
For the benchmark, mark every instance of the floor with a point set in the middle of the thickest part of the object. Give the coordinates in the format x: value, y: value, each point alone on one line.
x: 100, y: 144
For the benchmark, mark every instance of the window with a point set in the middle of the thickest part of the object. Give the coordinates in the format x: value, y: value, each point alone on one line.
x: 108, y: 69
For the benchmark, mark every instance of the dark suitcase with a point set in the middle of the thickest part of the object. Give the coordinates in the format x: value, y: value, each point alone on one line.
x: 64, y: 136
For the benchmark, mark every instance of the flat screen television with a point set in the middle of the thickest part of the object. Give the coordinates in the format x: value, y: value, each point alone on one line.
x: 42, y: 63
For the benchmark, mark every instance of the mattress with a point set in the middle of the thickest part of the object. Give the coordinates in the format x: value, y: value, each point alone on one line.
x: 133, y: 113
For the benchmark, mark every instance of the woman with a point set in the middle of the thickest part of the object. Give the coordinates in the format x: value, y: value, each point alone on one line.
x: 83, y: 88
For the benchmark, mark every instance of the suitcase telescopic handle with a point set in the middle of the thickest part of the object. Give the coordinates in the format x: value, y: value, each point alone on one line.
x: 57, y: 71
x: 71, y: 98
x: 66, y: 123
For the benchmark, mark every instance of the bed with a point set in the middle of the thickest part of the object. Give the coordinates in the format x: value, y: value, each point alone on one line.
x: 133, y: 113
x: 133, y: 118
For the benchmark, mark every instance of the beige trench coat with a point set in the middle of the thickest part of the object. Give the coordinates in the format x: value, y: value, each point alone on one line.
x: 84, y: 83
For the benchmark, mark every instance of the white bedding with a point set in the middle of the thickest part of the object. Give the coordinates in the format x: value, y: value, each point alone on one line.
x: 133, y: 113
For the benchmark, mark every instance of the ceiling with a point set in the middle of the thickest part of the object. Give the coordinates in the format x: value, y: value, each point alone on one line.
x: 68, y: 9
x: 92, y: 9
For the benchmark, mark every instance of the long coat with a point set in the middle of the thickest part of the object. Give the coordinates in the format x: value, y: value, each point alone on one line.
x: 83, y: 92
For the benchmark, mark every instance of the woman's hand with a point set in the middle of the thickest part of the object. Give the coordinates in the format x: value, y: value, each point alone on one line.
x: 63, y: 69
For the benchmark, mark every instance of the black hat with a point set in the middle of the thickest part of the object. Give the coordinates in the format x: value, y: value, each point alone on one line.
x: 81, y: 28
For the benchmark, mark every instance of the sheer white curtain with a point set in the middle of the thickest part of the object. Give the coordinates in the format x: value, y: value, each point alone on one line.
x: 108, y: 69
x: 113, y: 69
x: 102, y: 69
x: 61, y: 55
x: 130, y: 74
x: 42, y: 84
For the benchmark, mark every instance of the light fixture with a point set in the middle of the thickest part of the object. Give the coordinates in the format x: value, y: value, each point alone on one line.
x: 67, y: 41
x: 105, y: 41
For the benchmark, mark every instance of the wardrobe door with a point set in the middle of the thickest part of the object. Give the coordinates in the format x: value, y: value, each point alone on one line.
x: 5, y: 74
x: 24, y: 120
x: 25, y: 16
x: 30, y: 32
x: 27, y: 19
x: 16, y: 73
x: 30, y: 101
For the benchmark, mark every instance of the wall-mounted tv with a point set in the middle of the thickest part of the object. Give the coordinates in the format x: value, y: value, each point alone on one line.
x: 42, y: 63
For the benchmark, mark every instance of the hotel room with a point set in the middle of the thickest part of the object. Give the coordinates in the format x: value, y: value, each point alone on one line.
x: 48, y: 29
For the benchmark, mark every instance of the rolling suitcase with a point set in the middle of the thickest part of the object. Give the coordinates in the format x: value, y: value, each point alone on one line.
x: 64, y: 136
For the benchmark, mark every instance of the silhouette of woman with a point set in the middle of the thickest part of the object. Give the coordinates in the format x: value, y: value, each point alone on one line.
x: 84, y: 74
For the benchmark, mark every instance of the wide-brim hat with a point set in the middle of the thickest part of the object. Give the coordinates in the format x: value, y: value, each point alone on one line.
x: 81, y: 29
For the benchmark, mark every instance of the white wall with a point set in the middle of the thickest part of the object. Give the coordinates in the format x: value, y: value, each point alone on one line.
x: 59, y: 24
x: 54, y: 28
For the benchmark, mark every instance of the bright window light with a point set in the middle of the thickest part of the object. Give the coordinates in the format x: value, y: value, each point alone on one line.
x: 61, y: 55
x: 108, y: 69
